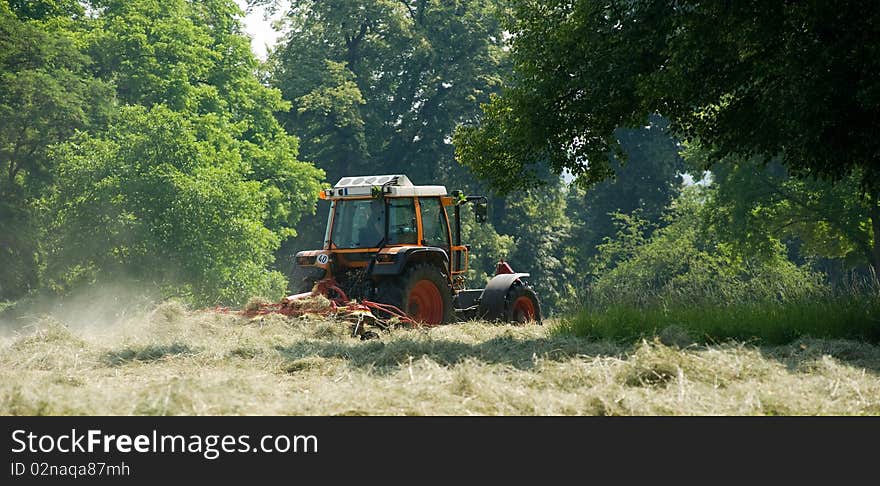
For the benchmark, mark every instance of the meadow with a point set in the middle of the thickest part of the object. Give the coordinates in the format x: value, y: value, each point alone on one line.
x: 170, y: 360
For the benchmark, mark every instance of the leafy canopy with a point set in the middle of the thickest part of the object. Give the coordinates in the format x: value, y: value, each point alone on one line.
x: 753, y: 201
x: 387, y: 81
x: 800, y: 80
x: 164, y: 198
x: 138, y: 141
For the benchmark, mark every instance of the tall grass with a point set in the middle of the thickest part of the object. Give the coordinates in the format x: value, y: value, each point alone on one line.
x: 848, y: 317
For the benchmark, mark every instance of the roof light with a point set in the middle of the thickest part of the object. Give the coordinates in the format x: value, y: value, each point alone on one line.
x: 398, y: 180
x: 396, y: 185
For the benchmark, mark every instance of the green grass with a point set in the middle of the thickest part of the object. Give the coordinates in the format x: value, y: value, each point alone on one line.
x: 767, y: 323
x: 173, y: 361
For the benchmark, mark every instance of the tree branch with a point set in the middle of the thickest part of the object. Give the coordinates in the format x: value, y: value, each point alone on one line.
x: 421, y: 20
x: 856, y: 237
x: 13, y: 167
x: 412, y: 13
x: 352, y: 42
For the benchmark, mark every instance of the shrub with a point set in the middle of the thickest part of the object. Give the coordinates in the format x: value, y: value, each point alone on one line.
x: 686, y: 263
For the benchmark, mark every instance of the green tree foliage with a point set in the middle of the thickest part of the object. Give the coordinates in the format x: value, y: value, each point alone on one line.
x: 189, y: 56
x: 646, y: 183
x: 47, y: 93
x: 45, y: 9
x: 795, y: 81
x: 379, y: 85
x: 540, y: 226
x: 689, y: 262
x: 332, y: 124
x: 420, y: 67
x: 799, y: 80
x: 164, y: 198
x: 487, y: 248
x: 754, y: 200
x: 194, y: 181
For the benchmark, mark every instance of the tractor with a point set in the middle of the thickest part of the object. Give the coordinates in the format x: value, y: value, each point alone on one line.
x: 394, y: 243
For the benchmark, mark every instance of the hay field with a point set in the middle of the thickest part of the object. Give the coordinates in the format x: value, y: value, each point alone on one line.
x: 174, y: 361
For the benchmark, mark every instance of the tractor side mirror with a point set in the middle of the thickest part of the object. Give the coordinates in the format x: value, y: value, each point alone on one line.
x: 481, y: 212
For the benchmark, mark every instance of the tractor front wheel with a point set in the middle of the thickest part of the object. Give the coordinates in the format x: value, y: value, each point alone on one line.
x: 422, y: 292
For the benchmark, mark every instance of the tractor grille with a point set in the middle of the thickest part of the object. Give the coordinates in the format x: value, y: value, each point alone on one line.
x: 355, y: 283
x: 364, y: 256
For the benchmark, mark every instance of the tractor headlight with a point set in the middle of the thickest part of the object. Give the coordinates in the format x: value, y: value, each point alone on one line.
x: 386, y: 257
x: 305, y: 260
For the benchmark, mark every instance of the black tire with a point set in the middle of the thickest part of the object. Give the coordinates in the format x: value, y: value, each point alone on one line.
x: 399, y: 292
x: 517, y: 312
x: 301, y: 278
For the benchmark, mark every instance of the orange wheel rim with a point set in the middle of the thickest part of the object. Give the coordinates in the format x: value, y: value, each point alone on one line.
x: 425, y: 303
x: 523, y: 309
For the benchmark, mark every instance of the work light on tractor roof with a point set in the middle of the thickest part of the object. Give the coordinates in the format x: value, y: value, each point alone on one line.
x: 393, y: 250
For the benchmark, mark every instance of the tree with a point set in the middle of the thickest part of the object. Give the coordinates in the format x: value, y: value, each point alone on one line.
x: 539, y: 224
x: 168, y: 198
x: 189, y: 56
x: 688, y: 262
x: 646, y: 184
x: 488, y: 246
x: 795, y: 79
x: 798, y: 80
x: 754, y: 201
x: 421, y: 67
x: 379, y: 85
x: 47, y: 93
x: 194, y: 174
x: 45, y: 9
x: 331, y: 123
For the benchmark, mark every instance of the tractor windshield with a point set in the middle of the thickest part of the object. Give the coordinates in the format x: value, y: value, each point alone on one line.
x: 358, y: 223
x: 361, y: 223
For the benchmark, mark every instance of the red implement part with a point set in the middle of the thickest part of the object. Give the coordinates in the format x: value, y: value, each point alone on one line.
x: 503, y: 267
x: 297, y: 305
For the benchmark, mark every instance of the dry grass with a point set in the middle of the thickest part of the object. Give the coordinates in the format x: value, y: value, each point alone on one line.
x: 173, y: 361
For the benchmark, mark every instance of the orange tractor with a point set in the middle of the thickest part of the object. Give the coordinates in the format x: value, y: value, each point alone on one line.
x: 399, y: 245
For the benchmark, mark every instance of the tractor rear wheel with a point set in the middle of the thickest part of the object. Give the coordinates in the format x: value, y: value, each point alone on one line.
x: 422, y: 292
x: 522, y: 305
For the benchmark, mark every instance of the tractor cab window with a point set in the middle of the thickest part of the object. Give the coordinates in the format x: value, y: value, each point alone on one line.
x: 434, y: 230
x: 401, y: 221
x: 358, y: 223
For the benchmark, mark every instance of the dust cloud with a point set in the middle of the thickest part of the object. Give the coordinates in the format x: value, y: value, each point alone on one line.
x: 91, y: 309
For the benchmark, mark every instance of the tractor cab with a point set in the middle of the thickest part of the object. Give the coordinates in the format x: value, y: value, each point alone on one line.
x: 397, y: 243
x: 386, y: 215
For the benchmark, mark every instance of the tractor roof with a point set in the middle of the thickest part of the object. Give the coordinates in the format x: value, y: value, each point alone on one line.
x: 391, y: 185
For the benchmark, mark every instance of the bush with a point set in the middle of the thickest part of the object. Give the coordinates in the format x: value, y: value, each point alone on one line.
x: 686, y: 263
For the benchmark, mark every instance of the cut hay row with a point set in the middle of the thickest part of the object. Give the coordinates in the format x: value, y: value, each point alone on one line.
x: 173, y: 361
